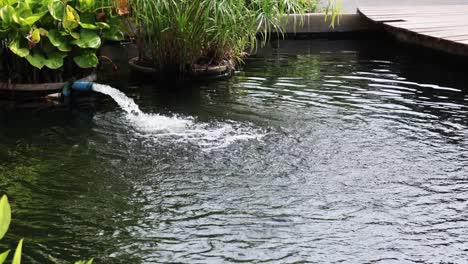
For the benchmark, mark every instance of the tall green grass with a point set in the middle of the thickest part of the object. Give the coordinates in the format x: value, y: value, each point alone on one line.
x: 175, y: 34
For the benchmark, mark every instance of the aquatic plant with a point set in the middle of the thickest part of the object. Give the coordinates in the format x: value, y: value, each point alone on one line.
x: 5, y: 220
x: 40, y: 40
x: 178, y: 34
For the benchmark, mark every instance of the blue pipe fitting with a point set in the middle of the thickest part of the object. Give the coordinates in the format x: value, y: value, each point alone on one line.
x: 66, y: 90
x: 82, y: 86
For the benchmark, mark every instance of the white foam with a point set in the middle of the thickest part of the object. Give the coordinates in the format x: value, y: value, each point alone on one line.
x: 177, y: 129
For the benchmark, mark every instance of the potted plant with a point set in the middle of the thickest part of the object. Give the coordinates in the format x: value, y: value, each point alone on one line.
x: 203, y: 37
x: 46, y: 42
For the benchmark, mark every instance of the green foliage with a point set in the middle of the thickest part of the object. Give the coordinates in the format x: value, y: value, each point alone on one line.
x: 17, y: 256
x: 85, y: 262
x: 5, y: 216
x: 86, y: 60
x: 181, y: 33
x: 47, y: 33
x: 5, y: 219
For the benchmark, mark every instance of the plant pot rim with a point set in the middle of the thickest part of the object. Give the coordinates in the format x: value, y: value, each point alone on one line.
x: 196, y: 70
x: 40, y: 87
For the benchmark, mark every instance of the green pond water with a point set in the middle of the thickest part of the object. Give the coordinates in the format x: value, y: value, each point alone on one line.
x: 351, y: 151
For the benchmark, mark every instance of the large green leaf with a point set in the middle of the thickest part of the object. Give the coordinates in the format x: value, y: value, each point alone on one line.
x: 54, y: 60
x: 59, y: 41
x: 3, y: 256
x: 5, y: 215
x: 88, y: 39
x: 17, y: 256
x: 23, y: 9
x: 57, y: 9
x: 30, y: 20
x: 6, y: 14
x: 7, y: 2
x: 71, y: 18
x: 36, y: 60
x: 87, y: 59
x: 17, y: 48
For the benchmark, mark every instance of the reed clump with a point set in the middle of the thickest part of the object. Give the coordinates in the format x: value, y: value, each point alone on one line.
x: 174, y: 35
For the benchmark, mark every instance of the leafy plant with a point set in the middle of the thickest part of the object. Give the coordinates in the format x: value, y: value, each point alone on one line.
x: 5, y: 220
x: 51, y: 34
x: 177, y: 34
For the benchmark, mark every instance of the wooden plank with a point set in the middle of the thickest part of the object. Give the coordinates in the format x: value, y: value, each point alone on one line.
x: 439, y: 12
x: 457, y: 39
x: 427, y: 24
x: 422, y: 17
x: 409, y: 8
x: 443, y: 27
x: 442, y: 35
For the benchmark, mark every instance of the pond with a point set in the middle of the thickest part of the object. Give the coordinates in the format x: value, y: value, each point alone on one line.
x: 319, y: 151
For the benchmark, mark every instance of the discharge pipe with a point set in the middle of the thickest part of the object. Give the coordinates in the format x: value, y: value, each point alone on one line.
x: 76, y: 86
x: 82, y: 86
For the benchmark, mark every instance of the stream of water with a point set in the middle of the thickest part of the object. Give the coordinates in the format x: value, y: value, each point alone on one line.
x: 349, y: 151
x: 178, y: 129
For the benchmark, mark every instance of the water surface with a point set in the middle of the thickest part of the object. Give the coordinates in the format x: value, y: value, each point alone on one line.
x: 330, y: 151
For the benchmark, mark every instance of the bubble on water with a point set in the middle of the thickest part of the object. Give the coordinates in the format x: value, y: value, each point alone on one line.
x: 177, y: 129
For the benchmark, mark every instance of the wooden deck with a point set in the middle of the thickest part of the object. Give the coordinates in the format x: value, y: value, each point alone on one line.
x: 442, y: 27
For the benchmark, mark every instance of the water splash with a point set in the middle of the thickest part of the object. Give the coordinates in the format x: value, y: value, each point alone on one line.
x: 177, y: 129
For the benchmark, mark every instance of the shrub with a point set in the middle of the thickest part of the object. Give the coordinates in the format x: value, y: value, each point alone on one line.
x: 40, y: 39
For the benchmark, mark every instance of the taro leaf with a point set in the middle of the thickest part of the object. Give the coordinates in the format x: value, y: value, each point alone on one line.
x: 54, y: 60
x: 70, y: 18
x: 87, y: 59
x: 6, y: 14
x: 88, y: 26
x: 16, y: 47
x: 36, y: 60
x: 59, y: 41
x: 102, y: 25
x: 114, y: 33
x: 3, y: 256
x: 17, y: 256
x: 88, y: 39
x: 85, y: 5
x: 5, y: 215
x: 57, y: 9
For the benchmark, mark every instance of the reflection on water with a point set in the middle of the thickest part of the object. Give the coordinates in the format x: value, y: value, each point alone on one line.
x: 363, y: 159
